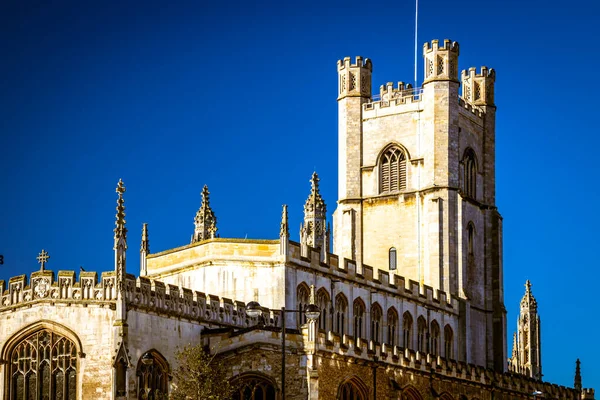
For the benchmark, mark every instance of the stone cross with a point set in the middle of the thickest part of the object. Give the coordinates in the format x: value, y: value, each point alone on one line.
x: 43, y: 258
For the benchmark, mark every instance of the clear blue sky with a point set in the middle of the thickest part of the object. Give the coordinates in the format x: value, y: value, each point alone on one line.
x: 242, y: 97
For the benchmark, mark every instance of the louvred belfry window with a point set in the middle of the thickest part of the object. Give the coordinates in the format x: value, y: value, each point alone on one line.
x: 392, y: 170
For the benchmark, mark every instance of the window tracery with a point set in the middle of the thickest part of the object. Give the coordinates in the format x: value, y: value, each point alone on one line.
x: 341, y: 308
x: 392, y: 170
x: 254, y: 387
x: 435, y: 338
x: 376, y: 320
x: 359, y: 314
x: 392, y: 328
x: 352, y: 390
x: 324, y: 305
x: 407, y: 323
x: 153, y: 377
x: 42, y: 366
x: 421, y: 335
x: 470, y: 166
x: 448, y: 342
x: 302, y: 300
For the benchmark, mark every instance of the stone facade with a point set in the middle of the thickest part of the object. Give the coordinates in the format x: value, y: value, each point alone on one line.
x: 410, y: 301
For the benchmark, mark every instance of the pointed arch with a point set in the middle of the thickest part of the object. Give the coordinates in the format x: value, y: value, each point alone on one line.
x: 323, y: 301
x: 302, y: 300
x: 358, y: 312
x: 44, y: 358
x: 446, y: 396
x: 152, y: 374
x: 392, y: 168
x: 254, y: 386
x: 411, y: 393
x: 341, y: 313
x: 407, y: 327
x: 392, y: 326
x: 352, y: 388
x: 376, y: 322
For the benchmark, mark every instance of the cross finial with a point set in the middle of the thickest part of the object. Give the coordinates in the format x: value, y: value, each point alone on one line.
x: 43, y: 258
x: 528, y: 286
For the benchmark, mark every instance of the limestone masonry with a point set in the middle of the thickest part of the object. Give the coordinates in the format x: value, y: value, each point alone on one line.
x: 411, y: 299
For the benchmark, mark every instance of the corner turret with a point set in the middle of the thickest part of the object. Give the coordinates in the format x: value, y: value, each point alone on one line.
x: 354, y: 78
x: 478, y: 89
x: 441, y: 63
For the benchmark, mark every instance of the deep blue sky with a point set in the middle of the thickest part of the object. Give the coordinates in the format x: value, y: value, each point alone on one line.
x: 242, y: 97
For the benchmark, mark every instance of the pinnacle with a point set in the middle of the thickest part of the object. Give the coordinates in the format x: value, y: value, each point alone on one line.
x: 120, y: 229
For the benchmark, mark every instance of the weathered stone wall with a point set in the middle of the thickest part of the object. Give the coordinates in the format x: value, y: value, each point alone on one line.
x: 92, y: 325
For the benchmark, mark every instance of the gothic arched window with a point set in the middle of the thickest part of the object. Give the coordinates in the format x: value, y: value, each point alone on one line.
x: 359, y: 318
x: 407, y: 323
x: 435, y: 338
x: 392, y: 326
x: 376, y: 317
x: 302, y: 300
x: 448, y: 341
x: 470, y: 165
x: 253, y: 386
x: 352, y: 389
x: 421, y: 335
x: 324, y: 305
x: 43, y: 365
x: 152, y: 376
x: 341, y: 309
x: 393, y: 259
x: 410, y: 393
x: 392, y: 170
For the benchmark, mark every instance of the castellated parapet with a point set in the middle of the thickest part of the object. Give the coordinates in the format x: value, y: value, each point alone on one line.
x: 354, y: 78
x: 478, y: 88
x: 441, y: 63
x: 142, y: 293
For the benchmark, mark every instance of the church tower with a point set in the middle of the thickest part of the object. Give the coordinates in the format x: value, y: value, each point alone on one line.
x: 416, y: 194
x: 527, y: 352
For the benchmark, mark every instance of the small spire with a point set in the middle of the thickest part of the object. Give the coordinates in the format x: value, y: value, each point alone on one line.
x: 145, y: 247
x: 120, y: 229
x: 205, y: 221
x: 42, y: 258
x: 284, y: 229
x: 315, y: 213
x: 578, y: 375
x: 312, y: 295
x: 528, y: 300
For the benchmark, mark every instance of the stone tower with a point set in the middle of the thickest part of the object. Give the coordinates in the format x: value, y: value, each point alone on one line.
x: 205, y: 222
x: 417, y: 187
x: 527, y: 352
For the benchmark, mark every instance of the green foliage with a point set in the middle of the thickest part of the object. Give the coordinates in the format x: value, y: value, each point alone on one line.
x: 199, y: 376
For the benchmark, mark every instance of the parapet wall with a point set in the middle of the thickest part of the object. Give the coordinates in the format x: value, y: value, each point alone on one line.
x: 45, y: 286
x: 141, y: 293
x: 396, y: 356
x: 381, y: 280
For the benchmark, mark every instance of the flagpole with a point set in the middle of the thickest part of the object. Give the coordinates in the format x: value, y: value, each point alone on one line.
x: 416, y: 40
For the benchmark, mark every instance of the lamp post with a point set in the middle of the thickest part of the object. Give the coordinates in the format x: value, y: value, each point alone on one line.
x: 312, y: 312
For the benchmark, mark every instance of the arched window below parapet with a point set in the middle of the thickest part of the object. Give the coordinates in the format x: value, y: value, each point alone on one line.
x: 152, y: 376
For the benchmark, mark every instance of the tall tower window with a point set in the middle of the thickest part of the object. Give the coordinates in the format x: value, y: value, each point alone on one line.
x: 470, y: 182
x: 324, y: 304
x: 393, y: 259
x: 435, y: 338
x: 392, y: 170
x: 302, y: 299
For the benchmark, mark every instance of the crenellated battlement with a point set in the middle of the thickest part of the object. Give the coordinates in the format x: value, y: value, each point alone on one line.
x: 434, y: 46
x: 587, y: 394
x: 478, y: 87
x: 441, y: 63
x: 45, y: 286
x: 346, y: 63
x: 372, y: 278
x: 354, y: 78
x: 396, y: 356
